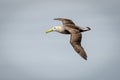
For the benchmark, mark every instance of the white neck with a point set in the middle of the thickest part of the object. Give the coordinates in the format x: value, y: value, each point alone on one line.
x: 60, y: 28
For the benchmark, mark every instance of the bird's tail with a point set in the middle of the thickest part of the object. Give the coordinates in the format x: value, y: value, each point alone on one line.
x: 83, y: 29
x: 88, y: 28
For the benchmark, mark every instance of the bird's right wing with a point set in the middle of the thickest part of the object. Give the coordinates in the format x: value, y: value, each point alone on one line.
x: 76, y: 43
x: 65, y: 21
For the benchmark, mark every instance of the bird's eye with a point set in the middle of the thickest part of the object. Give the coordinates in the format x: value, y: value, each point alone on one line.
x: 54, y: 28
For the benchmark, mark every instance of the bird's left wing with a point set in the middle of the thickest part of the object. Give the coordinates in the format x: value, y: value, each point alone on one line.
x: 76, y: 43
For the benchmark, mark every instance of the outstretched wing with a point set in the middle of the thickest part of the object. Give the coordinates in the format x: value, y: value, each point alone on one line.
x: 65, y: 21
x: 76, y: 43
x: 68, y: 23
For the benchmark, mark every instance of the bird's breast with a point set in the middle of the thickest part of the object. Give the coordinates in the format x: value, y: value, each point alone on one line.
x: 65, y: 32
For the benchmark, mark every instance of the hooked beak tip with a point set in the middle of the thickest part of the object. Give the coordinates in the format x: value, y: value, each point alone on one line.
x: 46, y: 32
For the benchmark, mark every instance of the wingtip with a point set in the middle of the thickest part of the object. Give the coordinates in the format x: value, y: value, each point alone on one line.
x: 57, y: 19
x: 85, y: 58
x: 54, y: 19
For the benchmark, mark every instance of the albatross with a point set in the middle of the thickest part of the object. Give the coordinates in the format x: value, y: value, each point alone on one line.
x: 69, y: 27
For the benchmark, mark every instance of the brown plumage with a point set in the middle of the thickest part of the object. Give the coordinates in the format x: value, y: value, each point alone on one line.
x: 76, y: 36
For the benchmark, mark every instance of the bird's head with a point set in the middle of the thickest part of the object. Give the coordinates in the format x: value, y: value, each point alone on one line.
x: 55, y: 28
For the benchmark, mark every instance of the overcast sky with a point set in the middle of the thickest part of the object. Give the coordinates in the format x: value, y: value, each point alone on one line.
x: 27, y: 53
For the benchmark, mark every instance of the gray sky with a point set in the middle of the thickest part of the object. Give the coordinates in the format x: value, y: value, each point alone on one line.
x: 27, y: 53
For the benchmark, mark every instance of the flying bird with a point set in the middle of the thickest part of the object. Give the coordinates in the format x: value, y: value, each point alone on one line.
x: 69, y: 27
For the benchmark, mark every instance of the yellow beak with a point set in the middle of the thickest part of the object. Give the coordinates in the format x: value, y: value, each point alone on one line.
x: 50, y: 30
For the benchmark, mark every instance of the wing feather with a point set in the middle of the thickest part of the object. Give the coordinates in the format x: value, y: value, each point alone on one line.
x: 65, y: 21
x: 76, y: 43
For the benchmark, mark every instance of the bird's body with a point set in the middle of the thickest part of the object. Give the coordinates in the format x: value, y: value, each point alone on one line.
x: 75, y: 39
